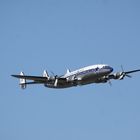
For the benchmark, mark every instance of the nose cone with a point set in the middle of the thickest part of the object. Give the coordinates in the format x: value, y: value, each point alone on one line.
x: 111, y: 69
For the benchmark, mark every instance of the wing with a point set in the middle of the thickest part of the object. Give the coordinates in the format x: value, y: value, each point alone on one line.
x: 128, y: 72
x: 121, y: 75
x: 45, y: 79
x: 116, y: 76
x: 38, y: 79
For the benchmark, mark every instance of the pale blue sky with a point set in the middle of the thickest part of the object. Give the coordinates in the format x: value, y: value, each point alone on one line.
x: 55, y: 35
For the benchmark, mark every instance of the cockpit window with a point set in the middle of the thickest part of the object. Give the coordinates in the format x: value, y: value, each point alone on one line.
x: 105, y: 67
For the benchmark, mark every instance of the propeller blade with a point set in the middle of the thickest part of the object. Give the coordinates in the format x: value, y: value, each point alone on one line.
x: 52, y: 73
x: 128, y: 76
x: 122, y: 68
x: 56, y: 82
x: 110, y: 83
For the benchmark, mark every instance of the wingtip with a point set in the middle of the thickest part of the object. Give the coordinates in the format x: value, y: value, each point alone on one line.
x: 15, y: 76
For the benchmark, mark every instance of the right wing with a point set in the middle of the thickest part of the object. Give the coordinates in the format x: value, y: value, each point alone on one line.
x: 37, y: 79
x: 54, y: 80
x: 122, y: 75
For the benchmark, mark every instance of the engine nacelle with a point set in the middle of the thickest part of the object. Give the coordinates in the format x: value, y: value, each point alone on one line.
x: 119, y: 75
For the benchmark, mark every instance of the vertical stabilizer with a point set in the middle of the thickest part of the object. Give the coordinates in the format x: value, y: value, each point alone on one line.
x: 22, y: 81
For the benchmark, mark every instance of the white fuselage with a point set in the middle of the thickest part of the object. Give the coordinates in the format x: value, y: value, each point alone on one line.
x: 83, y: 76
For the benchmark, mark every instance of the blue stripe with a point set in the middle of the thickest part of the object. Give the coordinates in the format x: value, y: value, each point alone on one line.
x: 95, y: 70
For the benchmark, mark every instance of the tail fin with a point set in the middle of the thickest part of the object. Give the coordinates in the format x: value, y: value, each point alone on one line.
x: 22, y: 81
x: 45, y: 74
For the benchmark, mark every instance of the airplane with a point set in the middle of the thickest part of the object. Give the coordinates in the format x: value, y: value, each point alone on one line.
x: 100, y: 73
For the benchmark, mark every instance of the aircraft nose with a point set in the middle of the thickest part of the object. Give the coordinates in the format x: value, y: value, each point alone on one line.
x: 111, y: 69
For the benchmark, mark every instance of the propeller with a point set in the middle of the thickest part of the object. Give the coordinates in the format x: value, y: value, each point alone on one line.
x: 56, y: 78
x: 123, y: 74
x: 110, y: 83
x: 53, y: 75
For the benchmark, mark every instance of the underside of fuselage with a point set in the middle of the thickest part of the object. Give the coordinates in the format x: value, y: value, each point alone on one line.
x: 93, y: 78
x: 60, y: 86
